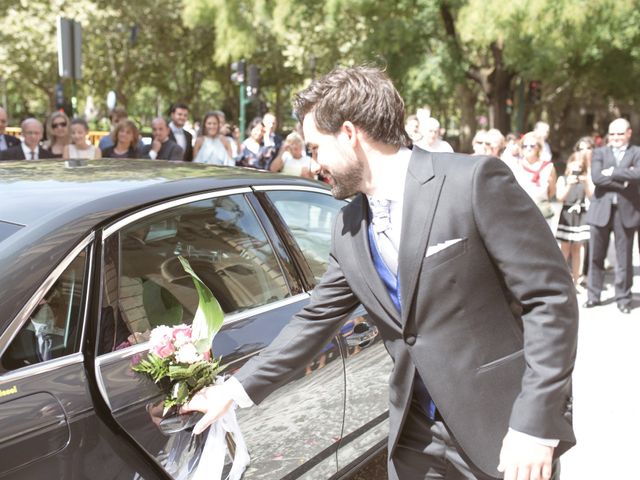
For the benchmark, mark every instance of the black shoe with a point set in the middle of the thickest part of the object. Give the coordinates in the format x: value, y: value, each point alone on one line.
x: 624, y: 308
x: 591, y: 304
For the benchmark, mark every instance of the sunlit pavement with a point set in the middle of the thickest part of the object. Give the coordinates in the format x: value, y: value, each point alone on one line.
x: 607, y: 391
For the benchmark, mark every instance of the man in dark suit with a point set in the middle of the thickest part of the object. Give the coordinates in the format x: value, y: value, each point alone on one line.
x: 179, y: 116
x: 29, y: 148
x: 461, y: 275
x: 162, y: 147
x: 615, y: 206
x: 6, y: 141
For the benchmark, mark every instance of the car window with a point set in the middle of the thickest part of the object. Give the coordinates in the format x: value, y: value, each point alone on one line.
x: 147, y: 286
x: 310, y: 217
x: 54, y: 326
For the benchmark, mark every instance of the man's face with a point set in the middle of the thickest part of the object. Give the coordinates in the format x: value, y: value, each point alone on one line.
x: 32, y: 133
x: 619, y: 134
x: 336, y: 158
x: 180, y: 117
x: 3, y: 121
x: 269, y: 122
x: 160, y: 130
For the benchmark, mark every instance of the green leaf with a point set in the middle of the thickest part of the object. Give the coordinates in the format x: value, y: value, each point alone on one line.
x: 209, y: 316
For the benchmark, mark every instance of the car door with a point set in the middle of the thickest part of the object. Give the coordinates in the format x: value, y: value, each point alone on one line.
x: 309, y: 214
x: 236, y: 252
x: 48, y: 423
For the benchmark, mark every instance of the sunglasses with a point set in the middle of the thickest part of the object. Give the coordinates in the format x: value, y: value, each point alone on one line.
x: 530, y: 146
x: 581, y: 149
x: 483, y: 143
x: 616, y: 133
x: 61, y: 124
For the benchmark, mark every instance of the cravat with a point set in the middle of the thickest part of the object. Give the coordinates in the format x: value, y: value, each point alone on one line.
x: 381, y: 223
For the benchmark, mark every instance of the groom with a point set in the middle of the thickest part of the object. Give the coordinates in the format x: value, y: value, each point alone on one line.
x: 460, y: 273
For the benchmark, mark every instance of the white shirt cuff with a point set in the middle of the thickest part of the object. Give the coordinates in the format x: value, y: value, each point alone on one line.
x: 153, y: 154
x: 236, y: 391
x: 547, y: 442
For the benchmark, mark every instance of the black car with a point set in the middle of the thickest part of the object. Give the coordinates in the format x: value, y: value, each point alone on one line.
x: 89, y: 264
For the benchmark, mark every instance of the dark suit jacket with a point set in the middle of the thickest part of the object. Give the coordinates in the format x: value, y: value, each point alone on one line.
x: 16, y: 153
x: 490, y: 323
x: 188, y: 152
x: 169, y: 150
x: 10, y: 140
x: 607, y: 186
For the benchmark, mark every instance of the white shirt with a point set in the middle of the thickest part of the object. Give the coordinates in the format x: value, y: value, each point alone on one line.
x: 27, y: 152
x: 439, y: 146
x: 179, y: 135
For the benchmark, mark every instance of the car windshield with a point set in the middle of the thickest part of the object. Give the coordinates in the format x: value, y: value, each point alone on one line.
x: 7, y: 229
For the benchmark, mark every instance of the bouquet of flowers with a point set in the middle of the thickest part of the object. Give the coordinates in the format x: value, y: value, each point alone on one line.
x: 180, y: 358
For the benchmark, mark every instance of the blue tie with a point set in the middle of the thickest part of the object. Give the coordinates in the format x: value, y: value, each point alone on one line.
x: 392, y: 285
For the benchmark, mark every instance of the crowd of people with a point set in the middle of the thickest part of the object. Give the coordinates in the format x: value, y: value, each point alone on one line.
x: 529, y: 156
x: 213, y: 142
x: 599, y: 193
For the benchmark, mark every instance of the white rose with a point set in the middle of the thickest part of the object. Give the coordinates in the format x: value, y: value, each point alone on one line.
x: 188, y: 354
x: 160, y: 336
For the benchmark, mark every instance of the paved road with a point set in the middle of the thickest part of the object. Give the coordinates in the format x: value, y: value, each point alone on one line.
x: 606, y: 394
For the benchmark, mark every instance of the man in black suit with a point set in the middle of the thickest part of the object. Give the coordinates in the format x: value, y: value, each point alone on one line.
x: 615, y: 206
x: 6, y: 141
x: 162, y: 147
x: 462, y: 277
x: 29, y: 148
x: 179, y: 116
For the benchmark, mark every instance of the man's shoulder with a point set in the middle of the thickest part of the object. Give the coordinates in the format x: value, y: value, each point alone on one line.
x: 11, y: 140
x: 12, y: 153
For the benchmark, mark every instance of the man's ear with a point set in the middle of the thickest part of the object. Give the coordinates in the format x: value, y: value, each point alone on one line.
x: 351, y: 132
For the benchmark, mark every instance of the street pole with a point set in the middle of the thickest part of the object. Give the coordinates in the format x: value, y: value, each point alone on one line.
x: 243, y: 104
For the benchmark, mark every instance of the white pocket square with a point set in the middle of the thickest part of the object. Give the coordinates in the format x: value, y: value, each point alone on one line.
x: 433, y: 249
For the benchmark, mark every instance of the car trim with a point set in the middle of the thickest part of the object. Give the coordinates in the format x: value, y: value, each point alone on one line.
x: 123, y: 222
x: 266, y: 188
x: 20, y: 319
x: 112, y: 357
x: 42, y: 367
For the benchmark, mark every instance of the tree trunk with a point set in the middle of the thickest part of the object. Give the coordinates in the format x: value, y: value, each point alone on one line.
x: 468, y: 122
x: 499, y: 83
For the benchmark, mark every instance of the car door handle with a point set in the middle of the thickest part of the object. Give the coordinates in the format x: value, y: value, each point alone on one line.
x: 363, y: 335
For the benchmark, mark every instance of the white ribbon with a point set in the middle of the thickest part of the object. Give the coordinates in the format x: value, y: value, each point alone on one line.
x: 215, y: 449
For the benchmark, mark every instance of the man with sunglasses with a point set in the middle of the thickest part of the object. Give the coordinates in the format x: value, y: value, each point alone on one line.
x: 615, y: 206
x: 29, y: 148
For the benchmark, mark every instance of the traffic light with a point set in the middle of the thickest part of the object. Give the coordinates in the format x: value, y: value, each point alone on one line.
x: 59, y: 96
x: 253, y: 82
x: 238, y: 71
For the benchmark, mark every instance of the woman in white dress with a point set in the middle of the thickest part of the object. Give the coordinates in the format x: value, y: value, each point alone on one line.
x: 79, y: 147
x: 292, y: 159
x: 211, y: 147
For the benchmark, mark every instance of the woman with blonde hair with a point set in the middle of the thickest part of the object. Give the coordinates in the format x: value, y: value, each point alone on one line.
x: 292, y: 159
x: 536, y: 176
x: 58, y: 133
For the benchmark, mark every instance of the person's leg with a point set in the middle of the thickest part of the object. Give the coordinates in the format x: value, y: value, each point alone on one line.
x: 623, y: 238
x: 598, y: 244
x: 424, y: 452
x: 576, y: 261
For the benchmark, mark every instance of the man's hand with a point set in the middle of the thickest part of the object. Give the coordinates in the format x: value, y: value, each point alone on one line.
x: 156, y: 145
x: 523, y: 459
x: 607, y: 172
x: 213, y: 401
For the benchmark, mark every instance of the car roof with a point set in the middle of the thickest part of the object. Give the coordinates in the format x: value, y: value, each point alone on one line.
x: 49, y: 206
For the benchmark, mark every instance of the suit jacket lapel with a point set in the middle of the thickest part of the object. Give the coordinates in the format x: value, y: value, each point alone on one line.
x: 422, y: 189
x: 362, y: 253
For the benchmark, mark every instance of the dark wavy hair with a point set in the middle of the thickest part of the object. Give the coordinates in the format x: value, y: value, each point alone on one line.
x: 363, y: 95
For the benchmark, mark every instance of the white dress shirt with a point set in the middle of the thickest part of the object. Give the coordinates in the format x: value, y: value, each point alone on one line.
x: 179, y: 135
x: 27, y: 152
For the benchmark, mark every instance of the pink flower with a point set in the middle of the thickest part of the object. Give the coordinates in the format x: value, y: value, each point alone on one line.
x: 207, y: 355
x: 165, y: 350
x: 160, y: 336
x: 181, y: 335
